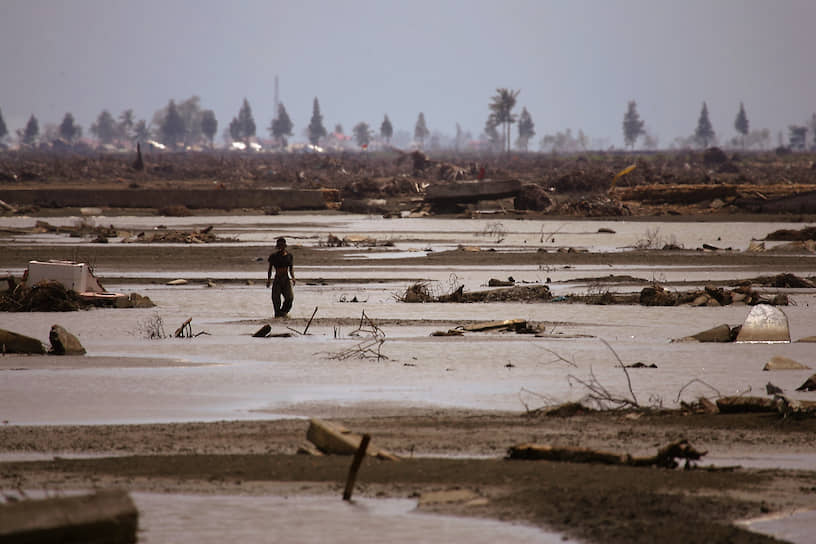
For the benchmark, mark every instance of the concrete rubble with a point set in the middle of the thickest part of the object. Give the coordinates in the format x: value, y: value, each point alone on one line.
x: 64, y: 343
x: 764, y: 324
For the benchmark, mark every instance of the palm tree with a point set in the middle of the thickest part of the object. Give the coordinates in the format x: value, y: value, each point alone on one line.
x: 502, y: 106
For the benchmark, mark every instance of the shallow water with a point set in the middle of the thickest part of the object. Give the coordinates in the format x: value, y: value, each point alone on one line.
x: 245, y: 378
x: 204, y: 519
x: 796, y: 528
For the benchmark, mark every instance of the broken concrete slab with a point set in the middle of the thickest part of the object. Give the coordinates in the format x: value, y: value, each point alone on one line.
x: 473, y: 191
x: 783, y: 363
x: 12, y: 342
x: 336, y: 439
x: 64, y: 343
x: 105, y: 516
x: 765, y: 324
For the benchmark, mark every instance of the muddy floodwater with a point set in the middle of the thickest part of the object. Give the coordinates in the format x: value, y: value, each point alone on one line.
x: 224, y: 373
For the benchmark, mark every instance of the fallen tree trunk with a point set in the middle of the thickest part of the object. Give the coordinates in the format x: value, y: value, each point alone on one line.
x: 665, y: 457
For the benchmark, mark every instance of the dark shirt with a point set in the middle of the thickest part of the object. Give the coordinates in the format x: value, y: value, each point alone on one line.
x: 278, y: 260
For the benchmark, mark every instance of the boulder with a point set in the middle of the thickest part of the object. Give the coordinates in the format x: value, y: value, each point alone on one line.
x: 764, y: 324
x: 783, y: 363
x: 720, y: 333
x: 809, y: 385
x: 64, y: 343
x: 11, y: 342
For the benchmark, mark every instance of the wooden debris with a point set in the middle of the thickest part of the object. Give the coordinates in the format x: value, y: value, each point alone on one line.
x: 665, y: 457
x: 185, y: 330
x: 359, y: 455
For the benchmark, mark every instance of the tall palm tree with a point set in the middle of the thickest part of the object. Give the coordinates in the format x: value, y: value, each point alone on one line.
x: 502, y: 106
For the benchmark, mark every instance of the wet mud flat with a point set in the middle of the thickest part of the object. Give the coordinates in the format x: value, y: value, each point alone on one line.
x: 240, y: 405
x: 594, y: 503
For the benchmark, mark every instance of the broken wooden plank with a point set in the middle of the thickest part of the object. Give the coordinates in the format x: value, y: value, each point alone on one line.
x: 185, y: 329
x: 359, y: 455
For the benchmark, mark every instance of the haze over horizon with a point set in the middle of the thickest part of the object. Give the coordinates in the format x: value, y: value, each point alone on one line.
x: 576, y: 63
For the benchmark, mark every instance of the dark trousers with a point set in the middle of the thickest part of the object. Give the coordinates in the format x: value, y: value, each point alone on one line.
x: 282, y: 288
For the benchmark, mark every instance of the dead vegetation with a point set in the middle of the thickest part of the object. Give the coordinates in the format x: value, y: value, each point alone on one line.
x: 370, y: 346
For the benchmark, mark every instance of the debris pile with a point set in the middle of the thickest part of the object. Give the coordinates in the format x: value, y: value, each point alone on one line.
x: 203, y: 236
x: 666, y: 456
x: 656, y: 295
x: 792, y: 235
x: 53, y: 296
x: 420, y: 292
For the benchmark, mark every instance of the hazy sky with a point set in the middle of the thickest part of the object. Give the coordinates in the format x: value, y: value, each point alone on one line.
x: 576, y: 62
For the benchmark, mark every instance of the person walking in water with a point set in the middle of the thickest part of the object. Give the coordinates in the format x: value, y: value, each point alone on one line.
x: 281, y: 261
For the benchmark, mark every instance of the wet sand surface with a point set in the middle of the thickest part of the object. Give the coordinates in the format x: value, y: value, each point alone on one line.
x: 223, y: 413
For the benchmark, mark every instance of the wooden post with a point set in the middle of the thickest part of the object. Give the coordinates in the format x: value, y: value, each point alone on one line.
x: 359, y: 455
x: 310, y: 321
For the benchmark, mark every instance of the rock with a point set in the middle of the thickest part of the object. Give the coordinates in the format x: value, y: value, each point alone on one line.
x: 783, y: 363
x: 64, y: 343
x: 809, y: 385
x: 764, y: 323
x: 11, y: 342
x: 756, y: 247
x: 140, y: 301
x: 263, y: 331
x: 177, y: 282
x: 701, y: 300
x: 720, y: 333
